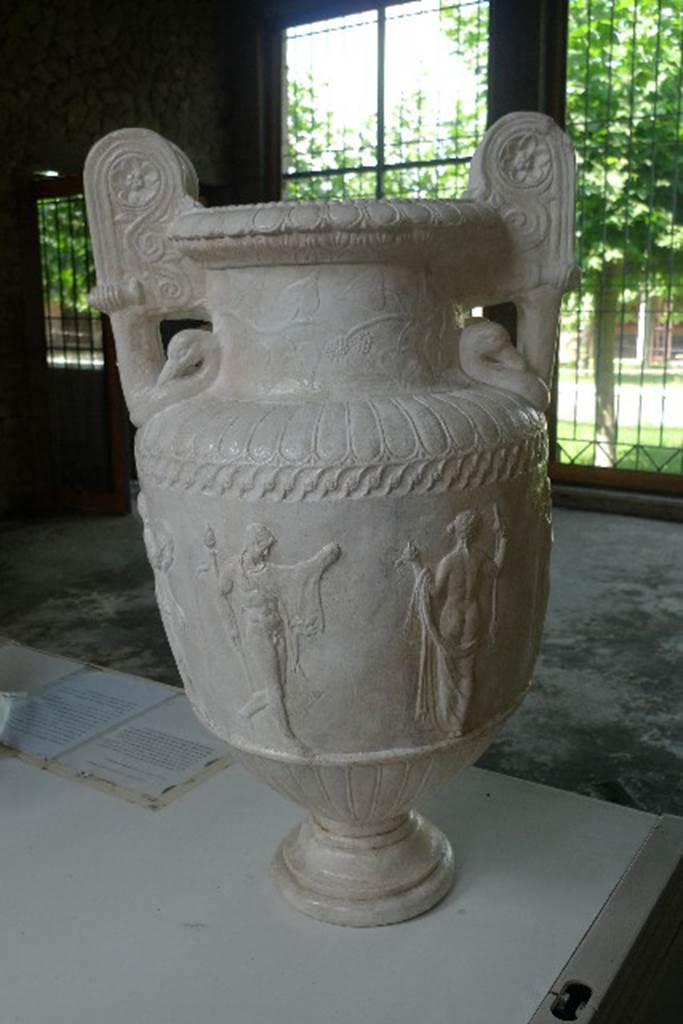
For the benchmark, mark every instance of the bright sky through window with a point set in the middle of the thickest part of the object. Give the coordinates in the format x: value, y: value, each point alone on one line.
x: 433, y: 75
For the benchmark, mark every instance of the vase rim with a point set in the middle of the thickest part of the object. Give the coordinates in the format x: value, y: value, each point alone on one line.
x: 333, y: 231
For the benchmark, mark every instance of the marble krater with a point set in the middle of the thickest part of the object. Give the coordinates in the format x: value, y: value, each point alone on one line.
x: 344, y: 483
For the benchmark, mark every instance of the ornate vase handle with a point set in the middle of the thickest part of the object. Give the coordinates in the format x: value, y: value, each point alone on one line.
x: 524, y: 169
x: 136, y: 183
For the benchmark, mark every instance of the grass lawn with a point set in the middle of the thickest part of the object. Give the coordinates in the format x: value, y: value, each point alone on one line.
x: 647, y: 449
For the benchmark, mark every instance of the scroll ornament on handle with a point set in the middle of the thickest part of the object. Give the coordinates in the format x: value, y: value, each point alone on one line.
x: 136, y: 183
x: 524, y: 169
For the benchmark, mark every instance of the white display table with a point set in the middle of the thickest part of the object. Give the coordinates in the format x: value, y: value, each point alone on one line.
x: 113, y: 913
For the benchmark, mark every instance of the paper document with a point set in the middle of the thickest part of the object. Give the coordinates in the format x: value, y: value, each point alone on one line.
x: 75, y: 709
x: 152, y: 754
x: 133, y: 736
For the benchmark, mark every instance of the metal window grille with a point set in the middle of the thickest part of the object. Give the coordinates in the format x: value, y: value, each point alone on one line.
x: 73, y: 329
x: 620, y: 378
x: 390, y: 102
x: 87, y: 426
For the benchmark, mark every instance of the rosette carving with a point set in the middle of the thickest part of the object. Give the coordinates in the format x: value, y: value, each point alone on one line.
x: 525, y: 160
x: 134, y: 181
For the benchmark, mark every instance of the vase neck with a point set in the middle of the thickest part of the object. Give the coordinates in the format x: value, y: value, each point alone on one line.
x: 334, y: 329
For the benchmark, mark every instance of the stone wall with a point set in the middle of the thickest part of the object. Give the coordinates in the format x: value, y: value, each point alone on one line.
x: 73, y: 70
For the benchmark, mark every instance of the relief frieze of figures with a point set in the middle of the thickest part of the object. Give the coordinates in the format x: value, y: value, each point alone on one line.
x: 271, y: 610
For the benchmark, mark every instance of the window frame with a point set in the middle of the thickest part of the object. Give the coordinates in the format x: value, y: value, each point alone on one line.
x: 526, y: 64
x: 380, y: 167
x: 115, y: 499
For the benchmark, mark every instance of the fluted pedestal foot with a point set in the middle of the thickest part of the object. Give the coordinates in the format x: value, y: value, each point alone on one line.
x: 364, y: 876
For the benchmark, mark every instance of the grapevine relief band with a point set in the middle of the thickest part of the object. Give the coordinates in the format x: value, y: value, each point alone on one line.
x: 453, y: 615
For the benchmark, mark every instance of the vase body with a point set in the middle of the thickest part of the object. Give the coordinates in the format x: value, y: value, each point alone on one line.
x: 344, y: 488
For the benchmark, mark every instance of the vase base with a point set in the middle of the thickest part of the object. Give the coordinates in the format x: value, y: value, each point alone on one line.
x: 361, y: 877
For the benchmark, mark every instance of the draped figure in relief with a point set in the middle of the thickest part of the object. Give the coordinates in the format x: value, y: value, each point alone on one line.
x: 453, y: 616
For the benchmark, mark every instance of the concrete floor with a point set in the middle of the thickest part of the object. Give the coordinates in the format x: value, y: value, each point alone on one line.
x: 603, y: 717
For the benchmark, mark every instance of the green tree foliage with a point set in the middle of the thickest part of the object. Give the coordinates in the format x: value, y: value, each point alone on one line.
x: 66, y: 258
x: 623, y: 114
x: 315, y: 142
x: 624, y: 117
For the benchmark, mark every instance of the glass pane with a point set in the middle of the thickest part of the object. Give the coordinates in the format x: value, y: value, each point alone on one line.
x: 434, y: 87
x: 440, y: 181
x: 435, y: 79
x: 620, y: 401
x: 331, y: 186
x: 331, y: 106
x: 73, y: 329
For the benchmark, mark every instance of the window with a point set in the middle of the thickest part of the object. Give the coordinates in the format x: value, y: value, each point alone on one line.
x: 620, y: 400
x: 87, y: 425
x: 390, y: 102
x: 73, y: 330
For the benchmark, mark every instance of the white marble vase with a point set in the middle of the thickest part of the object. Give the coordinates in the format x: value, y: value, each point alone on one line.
x: 343, y: 475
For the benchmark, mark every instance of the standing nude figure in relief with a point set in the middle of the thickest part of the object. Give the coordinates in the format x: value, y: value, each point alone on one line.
x: 453, y: 616
x: 270, y: 609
